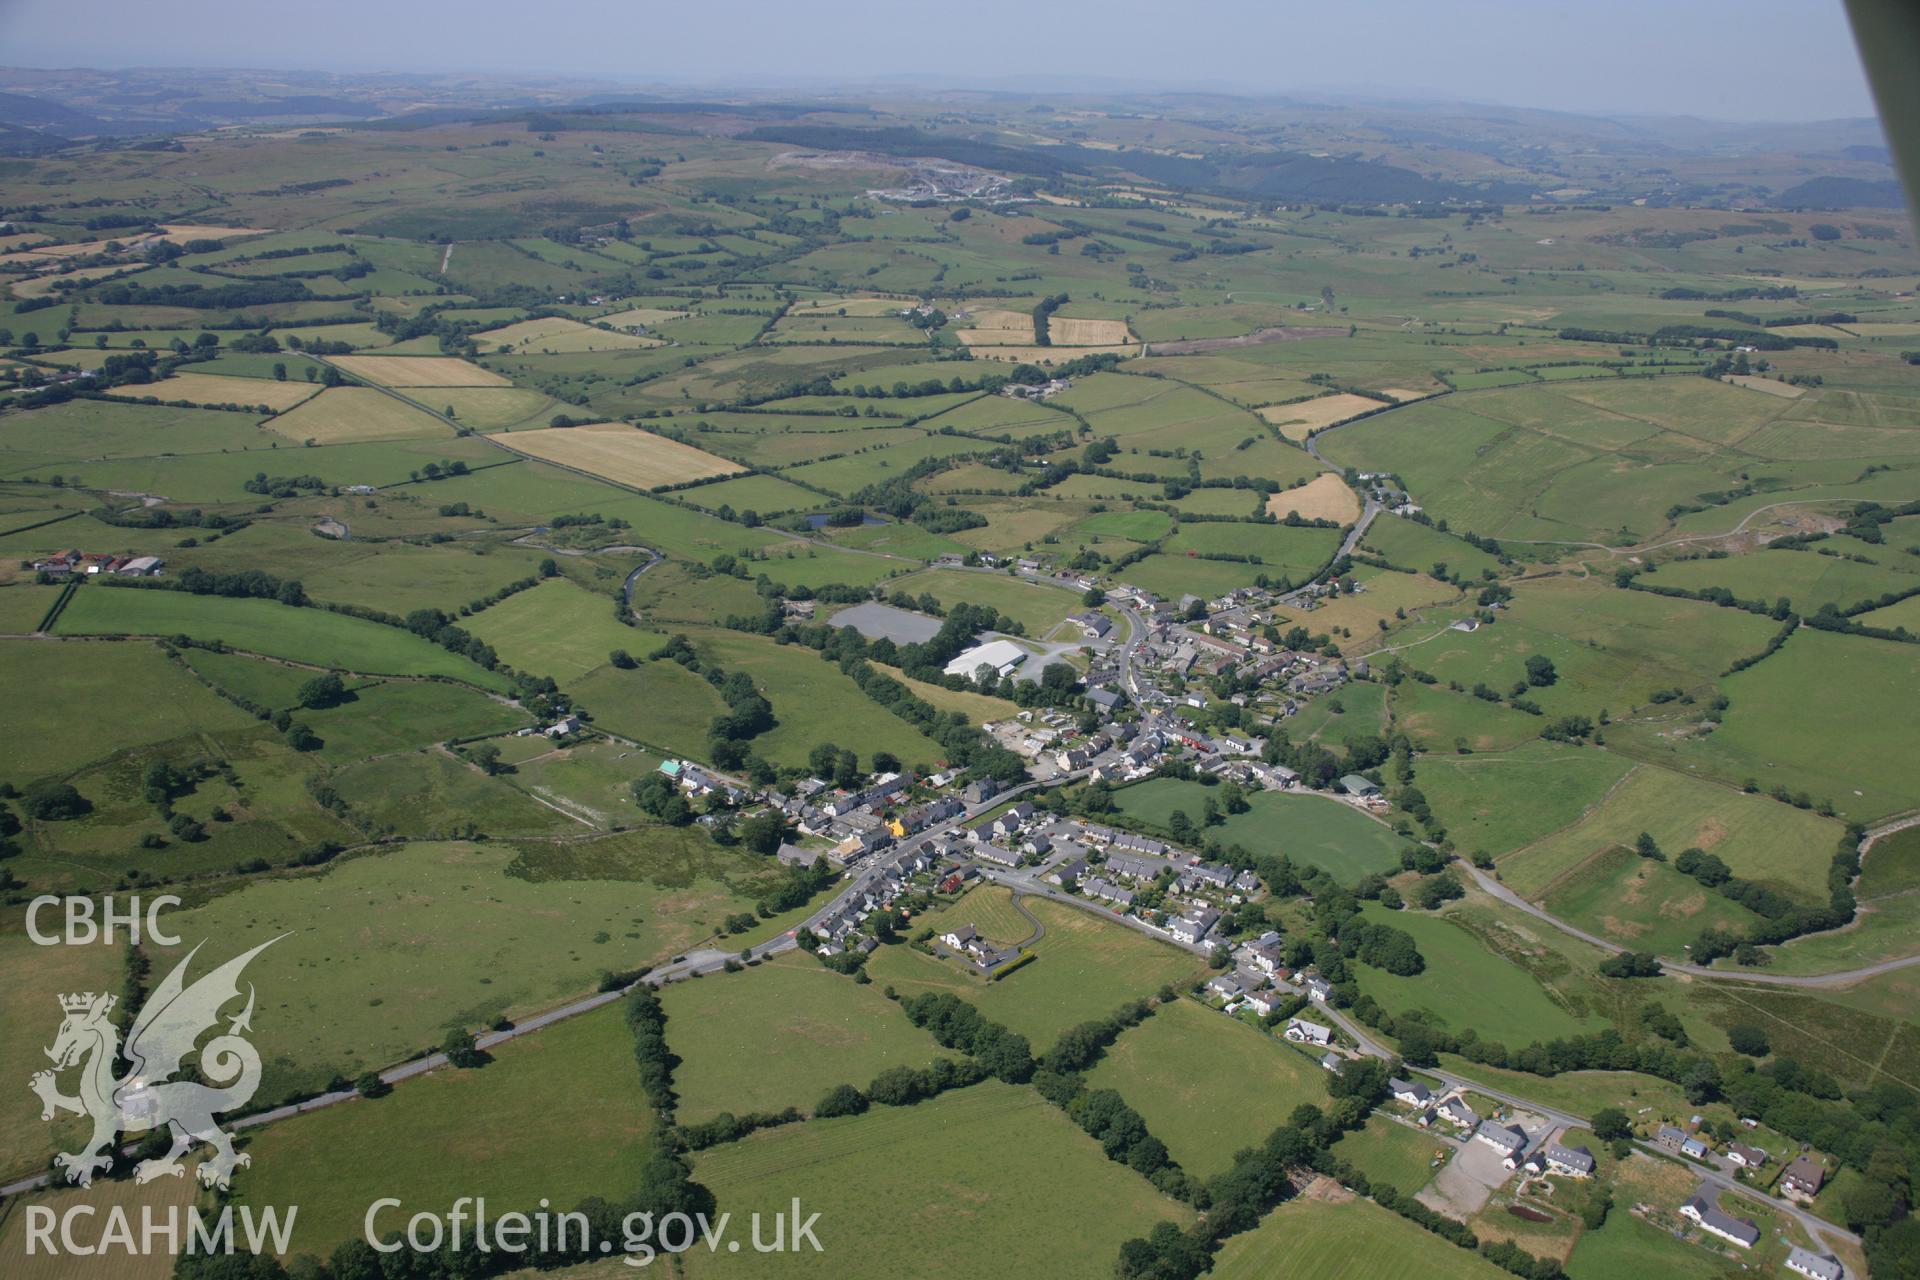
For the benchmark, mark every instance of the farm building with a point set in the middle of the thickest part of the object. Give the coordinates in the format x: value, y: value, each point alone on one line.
x: 1004, y: 656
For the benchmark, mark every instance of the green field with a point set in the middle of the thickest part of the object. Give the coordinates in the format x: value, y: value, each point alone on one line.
x: 559, y: 630
x: 31, y: 1005
x: 1498, y: 803
x: 259, y: 806
x: 262, y: 626
x: 1760, y: 838
x: 1208, y: 1085
x: 1392, y: 1153
x: 1847, y: 746
x: 659, y: 703
x: 1558, y: 413
x: 819, y: 1026
x: 1465, y: 984
x: 1345, y: 1239
x: 428, y: 1151
x: 944, y: 1200
x: 1037, y: 608
x: 388, y: 951
x: 1086, y: 968
x: 813, y: 702
x: 1806, y: 578
x: 590, y: 780
x: 54, y: 686
x: 1311, y: 830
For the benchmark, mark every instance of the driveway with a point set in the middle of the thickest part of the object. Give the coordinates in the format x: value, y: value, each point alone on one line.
x: 1461, y: 1189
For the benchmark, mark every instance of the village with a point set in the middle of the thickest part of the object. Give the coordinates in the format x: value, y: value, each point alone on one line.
x: 904, y: 846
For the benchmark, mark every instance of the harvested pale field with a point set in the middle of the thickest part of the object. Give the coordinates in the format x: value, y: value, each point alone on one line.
x: 998, y: 318
x: 559, y: 336
x: 1048, y: 355
x: 181, y: 232
x: 352, y: 415
x: 1301, y: 419
x: 642, y: 316
x: 80, y: 249
x: 994, y: 328
x: 1065, y: 331
x: 1324, y: 497
x: 1783, y: 389
x: 1886, y: 329
x: 620, y: 453
x: 493, y: 408
x: 418, y: 371
x: 217, y: 389
x: 1404, y: 393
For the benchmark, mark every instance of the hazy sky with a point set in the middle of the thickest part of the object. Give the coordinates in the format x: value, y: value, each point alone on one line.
x: 1725, y: 59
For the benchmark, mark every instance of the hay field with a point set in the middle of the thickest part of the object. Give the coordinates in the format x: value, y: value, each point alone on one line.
x: 642, y: 315
x: 1299, y: 420
x: 623, y: 454
x: 181, y: 232
x: 1325, y: 497
x: 418, y: 371
x: 1404, y: 394
x: 1784, y: 390
x: 559, y: 335
x: 1004, y: 326
x: 493, y: 408
x: 213, y: 388
x: 1067, y: 331
x: 354, y: 415
x: 104, y: 1197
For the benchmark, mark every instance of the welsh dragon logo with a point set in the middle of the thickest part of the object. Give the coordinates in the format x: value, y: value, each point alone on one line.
x: 146, y: 1097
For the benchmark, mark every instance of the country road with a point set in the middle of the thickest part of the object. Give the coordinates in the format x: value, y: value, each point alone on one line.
x: 1371, y: 507
x: 1838, y: 978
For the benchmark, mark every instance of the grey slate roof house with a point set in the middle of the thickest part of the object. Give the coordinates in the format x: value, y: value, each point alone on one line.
x: 1502, y: 1138
x: 1713, y: 1220
x: 794, y: 856
x: 1803, y: 1178
x: 1411, y: 1092
x: 1814, y: 1266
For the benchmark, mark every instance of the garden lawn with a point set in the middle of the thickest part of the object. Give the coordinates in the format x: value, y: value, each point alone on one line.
x: 821, y: 1027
